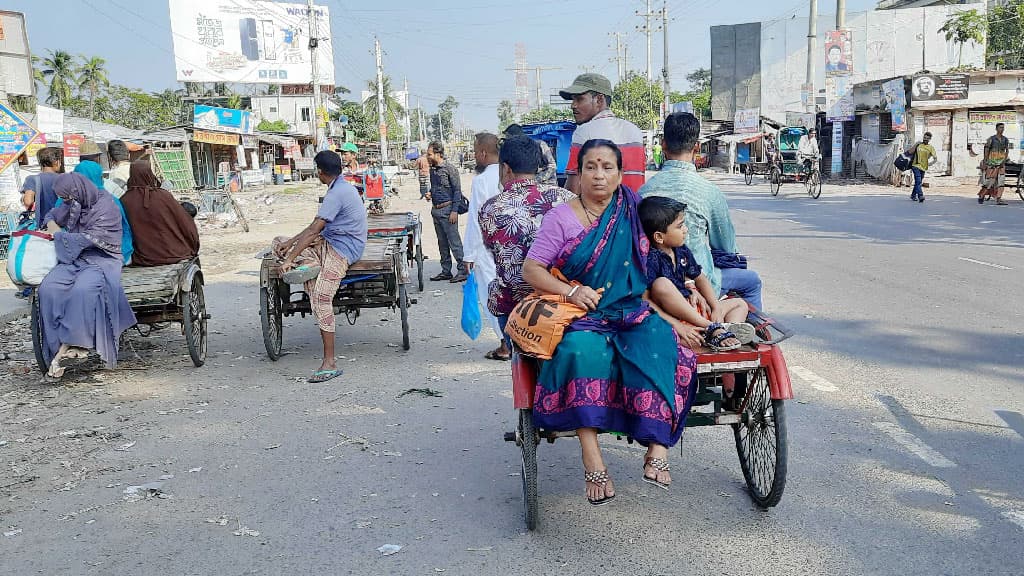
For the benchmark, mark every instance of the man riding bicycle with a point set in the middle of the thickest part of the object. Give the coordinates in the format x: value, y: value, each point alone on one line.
x: 807, y: 150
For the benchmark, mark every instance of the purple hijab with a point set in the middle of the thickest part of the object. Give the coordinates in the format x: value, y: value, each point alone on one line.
x: 88, y: 211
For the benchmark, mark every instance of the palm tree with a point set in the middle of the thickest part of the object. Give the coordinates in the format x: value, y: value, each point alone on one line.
x: 392, y: 108
x: 91, y: 76
x: 59, y: 69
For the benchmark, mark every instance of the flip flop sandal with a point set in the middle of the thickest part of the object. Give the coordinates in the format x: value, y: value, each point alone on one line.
x: 323, y: 376
x: 600, y: 478
x: 742, y: 331
x: 658, y: 464
x: 715, y: 334
x: 493, y: 355
x: 301, y: 274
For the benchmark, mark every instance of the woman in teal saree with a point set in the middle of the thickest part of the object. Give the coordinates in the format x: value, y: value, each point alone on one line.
x: 621, y: 368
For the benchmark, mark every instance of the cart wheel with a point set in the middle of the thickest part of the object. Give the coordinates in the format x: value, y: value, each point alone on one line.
x: 1020, y: 189
x: 403, y: 305
x: 419, y: 264
x: 270, y: 318
x: 528, y: 441
x: 775, y: 181
x: 814, y: 184
x: 761, y: 443
x: 37, y: 332
x: 193, y: 321
x: 748, y: 176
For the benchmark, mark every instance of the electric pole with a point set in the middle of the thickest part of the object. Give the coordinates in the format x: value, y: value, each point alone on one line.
x: 619, y: 59
x: 812, y: 50
x: 840, y: 14
x: 382, y: 123
x: 648, y: 31
x: 664, y: 71
x: 537, y: 70
x: 408, y: 122
x: 314, y: 41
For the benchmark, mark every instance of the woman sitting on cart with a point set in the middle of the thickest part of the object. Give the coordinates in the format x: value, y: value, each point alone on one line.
x: 82, y: 305
x: 164, y: 231
x: 319, y: 256
x: 621, y: 368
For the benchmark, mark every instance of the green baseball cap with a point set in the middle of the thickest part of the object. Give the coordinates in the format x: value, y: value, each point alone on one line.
x: 349, y: 147
x: 589, y: 82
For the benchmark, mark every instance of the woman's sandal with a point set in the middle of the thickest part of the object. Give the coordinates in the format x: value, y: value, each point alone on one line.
x: 599, y: 478
x: 659, y: 464
x: 715, y: 334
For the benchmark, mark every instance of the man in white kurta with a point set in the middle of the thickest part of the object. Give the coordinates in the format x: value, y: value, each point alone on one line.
x: 477, y: 257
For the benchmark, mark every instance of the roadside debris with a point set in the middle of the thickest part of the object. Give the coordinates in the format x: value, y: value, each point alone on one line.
x: 147, y: 490
x: 428, y: 392
x: 389, y: 549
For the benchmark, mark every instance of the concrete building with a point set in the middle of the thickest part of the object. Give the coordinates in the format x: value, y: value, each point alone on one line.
x: 763, y: 64
x: 295, y: 109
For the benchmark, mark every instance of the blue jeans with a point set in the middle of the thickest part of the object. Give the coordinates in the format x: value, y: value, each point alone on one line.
x: 503, y: 321
x: 918, y: 179
x: 745, y: 283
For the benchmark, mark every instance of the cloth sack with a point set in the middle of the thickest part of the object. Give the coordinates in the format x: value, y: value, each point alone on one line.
x: 902, y: 162
x: 723, y: 259
x: 463, y: 205
x: 537, y: 324
x: 471, y: 320
x: 30, y: 257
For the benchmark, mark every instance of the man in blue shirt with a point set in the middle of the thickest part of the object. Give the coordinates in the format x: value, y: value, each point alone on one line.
x: 320, y: 255
x: 707, y: 213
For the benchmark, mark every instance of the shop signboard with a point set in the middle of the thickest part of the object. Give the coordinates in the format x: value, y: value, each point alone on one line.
x: 72, y: 145
x: 747, y: 121
x: 221, y: 138
x: 837, y: 149
x: 982, y: 123
x: 303, y: 163
x: 928, y: 87
x: 50, y: 121
x: 249, y: 41
x: 222, y: 119
x: 37, y: 144
x: 15, y: 136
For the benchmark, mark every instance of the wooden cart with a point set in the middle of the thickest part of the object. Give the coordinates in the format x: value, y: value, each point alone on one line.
x: 401, y: 224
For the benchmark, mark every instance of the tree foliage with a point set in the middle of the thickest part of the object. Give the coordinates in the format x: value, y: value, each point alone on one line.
x: 506, y: 115
x: 58, y: 71
x: 699, y: 93
x: 273, y: 126
x: 546, y: 113
x: 1005, y: 49
x: 963, y: 27
x: 638, y: 100
x: 393, y: 110
x: 358, y: 121
x: 92, y: 75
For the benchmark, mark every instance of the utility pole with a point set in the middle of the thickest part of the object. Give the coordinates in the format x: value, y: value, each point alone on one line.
x: 382, y: 124
x: 840, y: 14
x: 408, y: 123
x: 619, y: 60
x: 812, y: 53
x: 664, y: 71
x: 648, y: 31
x: 314, y: 41
x: 522, y: 68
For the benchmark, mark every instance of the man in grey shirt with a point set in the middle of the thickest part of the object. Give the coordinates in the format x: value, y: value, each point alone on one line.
x: 446, y: 197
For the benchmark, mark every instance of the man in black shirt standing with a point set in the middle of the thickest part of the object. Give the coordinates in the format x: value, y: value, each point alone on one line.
x: 446, y: 197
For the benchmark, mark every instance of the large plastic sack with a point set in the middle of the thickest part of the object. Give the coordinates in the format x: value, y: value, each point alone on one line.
x: 30, y: 257
x: 471, y: 321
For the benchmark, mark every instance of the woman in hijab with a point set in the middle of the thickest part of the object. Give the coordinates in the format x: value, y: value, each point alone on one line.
x: 81, y: 302
x: 94, y: 172
x: 164, y: 231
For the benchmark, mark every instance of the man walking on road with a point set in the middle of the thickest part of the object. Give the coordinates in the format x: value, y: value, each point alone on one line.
x: 707, y: 212
x: 591, y: 96
x: 319, y: 256
x: 424, y: 174
x: 922, y: 153
x: 446, y: 196
x: 993, y: 166
x: 478, y: 258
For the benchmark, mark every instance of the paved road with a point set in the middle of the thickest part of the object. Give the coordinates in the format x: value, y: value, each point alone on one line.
x: 905, y: 442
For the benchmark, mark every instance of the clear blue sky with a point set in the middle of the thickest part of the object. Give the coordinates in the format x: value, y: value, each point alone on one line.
x: 459, y: 48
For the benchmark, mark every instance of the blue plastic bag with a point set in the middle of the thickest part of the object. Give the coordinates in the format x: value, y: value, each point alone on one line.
x: 471, y: 321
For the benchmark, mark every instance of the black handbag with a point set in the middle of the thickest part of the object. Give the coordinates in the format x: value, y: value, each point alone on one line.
x: 902, y: 163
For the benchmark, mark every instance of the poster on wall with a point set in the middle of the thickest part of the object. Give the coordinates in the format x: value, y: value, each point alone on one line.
x: 895, y: 100
x: 248, y: 41
x: 799, y: 119
x: 940, y: 87
x: 747, y: 121
x: 838, y: 53
x: 15, y: 135
x: 982, y: 123
x: 837, y: 149
x: 222, y: 119
x: 839, y: 105
x: 938, y: 123
x: 72, y: 145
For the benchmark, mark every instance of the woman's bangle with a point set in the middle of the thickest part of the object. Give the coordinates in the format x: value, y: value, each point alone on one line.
x: 689, y: 283
x: 573, y: 291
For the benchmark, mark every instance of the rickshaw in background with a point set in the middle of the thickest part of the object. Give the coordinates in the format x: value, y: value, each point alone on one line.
x: 753, y: 159
x: 792, y: 167
x: 558, y: 136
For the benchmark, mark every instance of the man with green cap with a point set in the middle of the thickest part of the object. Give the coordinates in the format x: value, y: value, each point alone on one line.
x: 591, y: 96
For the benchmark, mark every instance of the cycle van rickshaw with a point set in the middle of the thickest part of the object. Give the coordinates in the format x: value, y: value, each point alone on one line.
x: 758, y: 421
x: 157, y: 294
x: 792, y: 168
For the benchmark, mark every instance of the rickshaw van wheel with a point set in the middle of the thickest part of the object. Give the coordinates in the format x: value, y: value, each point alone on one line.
x: 36, y: 324
x: 762, y: 444
x: 528, y: 444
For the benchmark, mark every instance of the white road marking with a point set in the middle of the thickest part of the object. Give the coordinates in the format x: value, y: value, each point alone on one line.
x: 740, y: 209
x: 793, y: 221
x: 816, y: 382
x: 915, y: 445
x: 999, y: 266
x: 987, y: 222
x: 1015, y: 516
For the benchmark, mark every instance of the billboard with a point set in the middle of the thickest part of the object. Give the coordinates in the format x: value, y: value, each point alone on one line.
x: 249, y: 42
x: 15, y: 59
x: 747, y: 121
x: 940, y: 86
x: 15, y: 136
x: 222, y: 119
x: 838, y: 52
